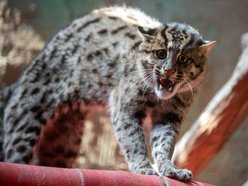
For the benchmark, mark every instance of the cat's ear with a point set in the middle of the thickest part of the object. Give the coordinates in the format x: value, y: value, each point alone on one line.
x: 147, y: 33
x: 206, y: 47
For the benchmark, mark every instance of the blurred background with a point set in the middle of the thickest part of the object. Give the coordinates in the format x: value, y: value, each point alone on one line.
x: 26, y: 25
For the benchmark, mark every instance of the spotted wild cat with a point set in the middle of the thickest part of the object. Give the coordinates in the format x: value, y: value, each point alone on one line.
x: 116, y: 57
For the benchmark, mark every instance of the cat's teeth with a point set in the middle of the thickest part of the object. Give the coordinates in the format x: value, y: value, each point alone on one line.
x: 170, y: 89
x: 160, y: 87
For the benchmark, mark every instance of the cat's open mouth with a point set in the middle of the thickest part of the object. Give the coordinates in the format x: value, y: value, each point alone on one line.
x: 166, y: 84
x: 166, y: 88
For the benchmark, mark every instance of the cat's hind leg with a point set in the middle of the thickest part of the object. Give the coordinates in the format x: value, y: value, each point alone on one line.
x: 60, y: 139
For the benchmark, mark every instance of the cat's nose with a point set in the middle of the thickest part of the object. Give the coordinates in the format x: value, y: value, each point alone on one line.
x: 169, y: 72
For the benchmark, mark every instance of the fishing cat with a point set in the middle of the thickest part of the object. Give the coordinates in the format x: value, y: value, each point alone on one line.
x: 114, y: 57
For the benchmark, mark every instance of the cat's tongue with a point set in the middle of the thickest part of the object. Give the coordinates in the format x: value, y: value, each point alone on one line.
x: 166, y: 84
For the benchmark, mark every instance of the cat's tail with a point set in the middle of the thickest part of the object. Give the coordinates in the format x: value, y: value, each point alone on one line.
x: 5, y: 95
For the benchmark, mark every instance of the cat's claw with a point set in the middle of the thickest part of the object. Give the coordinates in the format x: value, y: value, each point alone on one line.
x: 148, y: 171
x: 170, y: 170
x: 180, y: 174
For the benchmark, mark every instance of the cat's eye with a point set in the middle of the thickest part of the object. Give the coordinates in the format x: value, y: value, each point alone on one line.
x: 161, y: 54
x: 182, y: 59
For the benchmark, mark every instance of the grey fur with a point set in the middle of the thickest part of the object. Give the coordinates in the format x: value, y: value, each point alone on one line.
x: 98, y: 60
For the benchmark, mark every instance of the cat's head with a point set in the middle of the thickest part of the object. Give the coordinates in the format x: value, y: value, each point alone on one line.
x: 172, y: 58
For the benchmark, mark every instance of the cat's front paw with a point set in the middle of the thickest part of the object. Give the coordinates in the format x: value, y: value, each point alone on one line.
x: 180, y: 174
x: 168, y: 169
x: 144, y: 168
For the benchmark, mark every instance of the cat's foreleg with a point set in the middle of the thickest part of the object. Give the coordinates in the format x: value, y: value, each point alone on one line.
x: 126, y: 120
x: 163, y: 139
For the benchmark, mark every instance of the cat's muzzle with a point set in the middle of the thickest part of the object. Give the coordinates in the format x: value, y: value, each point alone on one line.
x: 165, y: 84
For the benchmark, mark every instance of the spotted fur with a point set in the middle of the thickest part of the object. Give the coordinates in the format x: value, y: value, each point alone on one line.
x: 117, y: 57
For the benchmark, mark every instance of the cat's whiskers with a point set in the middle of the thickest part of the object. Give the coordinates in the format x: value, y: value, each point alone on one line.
x: 196, y: 83
x: 190, y: 87
x: 147, y: 81
x: 140, y: 80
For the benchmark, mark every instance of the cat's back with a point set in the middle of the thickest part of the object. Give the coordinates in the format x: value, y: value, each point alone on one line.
x: 99, y: 43
x: 126, y: 15
x: 101, y: 33
x: 99, y: 47
x: 107, y: 26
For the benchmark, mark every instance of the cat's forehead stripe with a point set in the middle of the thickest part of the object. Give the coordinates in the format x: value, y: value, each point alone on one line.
x: 179, y: 36
x: 163, y: 33
x: 190, y: 41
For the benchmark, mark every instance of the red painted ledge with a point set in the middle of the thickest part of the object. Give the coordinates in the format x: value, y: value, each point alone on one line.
x: 30, y: 175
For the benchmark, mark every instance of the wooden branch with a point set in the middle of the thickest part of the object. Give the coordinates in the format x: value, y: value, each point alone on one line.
x: 219, y: 120
x: 22, y: 175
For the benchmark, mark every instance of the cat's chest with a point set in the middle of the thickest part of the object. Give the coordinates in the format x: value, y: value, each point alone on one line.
x: 155, y: 109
